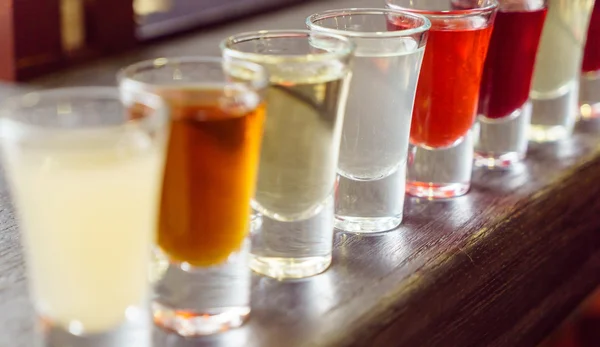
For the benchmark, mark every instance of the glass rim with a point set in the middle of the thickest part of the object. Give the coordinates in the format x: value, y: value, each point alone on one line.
x: 342, y: 53
x: 259, y: 81
x: 31, y: 99
x: 471, y: 12
x: 425, y: 26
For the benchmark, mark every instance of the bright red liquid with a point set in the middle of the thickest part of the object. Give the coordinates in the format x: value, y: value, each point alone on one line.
x: 510, y: 60
x: 591, y: 55
x: 448, y: 87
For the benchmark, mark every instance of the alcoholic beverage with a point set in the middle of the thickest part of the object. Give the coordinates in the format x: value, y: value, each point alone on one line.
x: 210, y: 174
x: 217, y: 113
x: 448, y: 87
x: 86, y: 202
x: 589, y: 87
x: 591, y: 54
x: 554, y: 91
x: 301, y: 140
x: 504, y: 108
x: 374, y: 144
x: 309, y: 75
x: 559, y: 59
x: 374, y: 138
x: 440, y: 155
x: 509, y: 65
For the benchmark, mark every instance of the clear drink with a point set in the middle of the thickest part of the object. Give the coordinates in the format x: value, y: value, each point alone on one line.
x: 370, y: 192
x: 554, y: 93
x: 378, y: 115
x: 86, y: 182
x: 309, y: 75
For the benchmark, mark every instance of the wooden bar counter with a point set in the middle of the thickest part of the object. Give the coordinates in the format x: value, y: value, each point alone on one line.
x: 501, y: 266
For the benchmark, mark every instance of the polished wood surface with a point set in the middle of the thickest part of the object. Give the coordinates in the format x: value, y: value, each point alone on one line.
x: 501, y: 266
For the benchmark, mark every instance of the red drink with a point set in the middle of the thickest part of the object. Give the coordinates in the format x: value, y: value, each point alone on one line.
x: 591, y: 54
x: 509, y: 64
x: 446, y: 99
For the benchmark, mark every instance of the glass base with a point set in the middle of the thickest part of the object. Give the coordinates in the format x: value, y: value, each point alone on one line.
x: 589, y: 112
x: 192, y: 323
x: 370, y: 206
x: 440, y: 173
x: 554, y: 114
x: 135, y: 331
x: 360, y: 225
x: 295, y: 249
x: 202, y: 300
x: 498, y: 161
x: 589, y: 95
x: 436, y: 190
x: 544, y: 133
x: 289, y: 268
x: 501, y: 143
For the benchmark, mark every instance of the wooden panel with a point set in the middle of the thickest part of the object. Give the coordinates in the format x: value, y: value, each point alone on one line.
x: 30, y: 40
x: 7, y: 46
x: 111, y: 25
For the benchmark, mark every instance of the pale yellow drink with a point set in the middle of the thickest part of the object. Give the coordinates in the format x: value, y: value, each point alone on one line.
x: 87, y: 206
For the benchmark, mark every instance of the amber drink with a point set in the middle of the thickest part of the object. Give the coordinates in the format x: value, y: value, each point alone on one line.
x: 210, y: 175
x: 217, y: 114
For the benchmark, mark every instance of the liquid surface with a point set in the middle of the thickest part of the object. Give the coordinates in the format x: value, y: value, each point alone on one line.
x: 87, y: 211
x: 448, y: 86
x: 379, y: 110
x: 510, y: 60
x: 301, y: 141
x: 591, y: 55
x: 558, y: 62
x: 210, y: 174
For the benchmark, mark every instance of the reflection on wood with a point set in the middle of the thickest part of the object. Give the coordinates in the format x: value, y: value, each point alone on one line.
x: 146, y: 7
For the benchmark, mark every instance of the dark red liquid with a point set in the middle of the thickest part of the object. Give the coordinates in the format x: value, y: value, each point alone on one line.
x: 509, y: 64
x: 591, y: 55
x: 448, y: 87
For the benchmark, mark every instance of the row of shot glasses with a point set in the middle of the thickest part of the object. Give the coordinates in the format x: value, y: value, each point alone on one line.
x: 252, y: 159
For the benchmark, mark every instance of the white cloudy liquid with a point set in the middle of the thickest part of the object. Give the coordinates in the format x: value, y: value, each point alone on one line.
x: 87, y: 212
x: 378, y: 114
x: 558, y: 62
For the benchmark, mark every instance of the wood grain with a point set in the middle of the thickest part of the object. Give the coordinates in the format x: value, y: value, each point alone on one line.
x: 501, y: 266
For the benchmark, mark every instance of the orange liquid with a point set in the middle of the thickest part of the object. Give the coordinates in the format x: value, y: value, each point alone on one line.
x: 448, y: 87
x: 210, y: 177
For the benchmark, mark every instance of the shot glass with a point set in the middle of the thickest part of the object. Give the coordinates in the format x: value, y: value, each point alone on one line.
x: 217, y: 112
x: 441, y: 145
x: 85, y: 177
x: 504, y: 109
x: 555, y: 90
x: 372, y: 165
x: 309, y: 78
x: 589, y: 86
